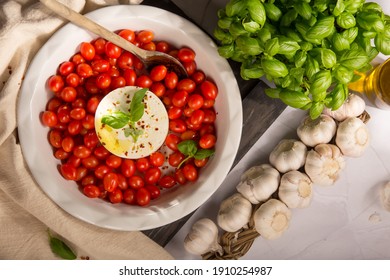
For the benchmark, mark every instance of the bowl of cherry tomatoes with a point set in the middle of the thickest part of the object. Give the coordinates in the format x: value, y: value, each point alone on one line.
x: 61, y: 133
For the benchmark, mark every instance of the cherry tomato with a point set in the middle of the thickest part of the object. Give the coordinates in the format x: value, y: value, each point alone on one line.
x: 113, y: 161
x: 209, y: 90
x: 197, y: 117
x: 90, y: 139
x: 150, y: 46
x: 89, y: 180
x: 143, y: 81
x: 195, y: 101
x: 186, y: 54
x: 156, y: 159
x: 116, y: 196
x: 100, y: 65
x: 129, y: 196
x: 190, y: 172
x: 136, y: 182
x: 189, y: 135
x: 167, y: 181
x: 68, y: 94
x: 84, y: 70
x: 152, y: 175
x: 153, y: 190
x: 99, y: 45
x: 130, y: 76
x: 49, y: 118
x: 101, y: 152
x: 128, y: 167
x: 158, y: 89
x: 201, y: 162
x: 90, y: 162
x: 110, y: 181
x: 178, y: 126
x: 207, y: 141
x: 81, y: 151
x: 74, y: 127
x: 190, y: 67
x: 209, y: 116
x: 175, y: 112
x: 87, y: 50
x: 145, y: 36
x: 112, y: 50
x: 163, y: 46
x: 186, y: 84
x: 127, y: 34
x: 55, y: 138
x: 77, y: 113
x: 198, y: 77
x: 179, y: 98
x: 88, y: 122
x: 172, y: 140
x: 158, y: 73
x: 171, y: 80
x: 72, y: 80
x: 55, y: 83
x: 101, y: 170
x: 179, y: 176
x: 66, y: 68
x: 103, y: 80
x: 92, y: 104
x: 68, y: 171
x: 67, y: 144
x: 176, y: 158
x: 61, y: 154
x: 142, y: 164
x: 91, y: 191
x: 118, y: 82
x: 142, y: 197
x: 53, y: 104
x: 77, y: 59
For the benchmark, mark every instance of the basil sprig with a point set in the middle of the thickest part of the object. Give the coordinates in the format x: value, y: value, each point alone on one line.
x: 59, y: 248
x: 190, y: 150
x: 310, y: 49
x: 128, y: 120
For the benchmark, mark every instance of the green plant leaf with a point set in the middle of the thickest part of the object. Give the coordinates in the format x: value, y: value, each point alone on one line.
x: 323, y: 28
x: 188, y: 147
x: 59, y: 248
x: 137, y: 107
x: 117, y: 119
x: 294, y: 99
x: 204, y: 153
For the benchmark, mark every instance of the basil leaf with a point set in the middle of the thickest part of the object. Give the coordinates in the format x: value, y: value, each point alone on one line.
x: 272, y: 46
x: 226, y: 51
x: 354, y: 59
x: 253, y: 71
x: 294, y: 99
x: 291, y: 34
x: 236, y: 29
x: 343, y: 74
x: 188, y: 147
x: 225, y: 22
x: 338, y: 96
x: 288, y: 17
x: 256, y: 11
x: 117, y: 120
x: 204, y: 153
x: 322, y: 29
x: 321, y: 81
x: 272, y: 11
x: 274, y: 67
x: 370, y: 21
x: 137, y: 107
x: 328, y: 58
x: 224, y: 37
x: 250, y: 25
x: 346, y: 20
x: 303, y: 9
x: 133, y: 132
x: 273, y: 92
x: 382, y: 43
x: 248, y: 45
x: 59, y: 248
x: 372, y: 7
x: 300, y: 58
x: 312, y: 67
x: 339, y: 8
x: 350, y: 34
x: 316, y: 110
x: 287, y: 46
x: 234, y: 7
x: 340, y: 43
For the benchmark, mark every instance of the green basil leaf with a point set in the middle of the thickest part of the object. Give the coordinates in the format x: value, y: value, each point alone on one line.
x: 250, y: 25
x: 346, y: 20
x: 295, y: 99
x: 256, y: 11
x: 323, y: 28
x: 303, y: 29
x: 338, y: 96
x: 354, y: 59
x: 204, y: 153
x: 272, y: 11
x: 133, y: 132
x: 288, y: 32
x: 287, y: 81
x: 306, y: 46
x: 235, y: 7
x: 273, y: 92
x: 274, y: 67
x: 340, y: 43
x: 316, y: 110
x: 370, y: 21
x: 321, y: 5
x: 382, y: 44
x: 353, y: 6
x: 372, y: 7
x: 225, y: 22
x: 264, y: 35
x: 303, y: 9
x: 312, y: 66
x: 254, y: 71
x: 288, y: 17
x: 222, y: 36
x: 343, y: 74
x: 137, y: 107
x: 350, y: 34
x: 116, y: 120
x: 328, y: 58
x: 287, y: 46
x: 59, y: 248
x: 300, y: 58
x: 272, y: 46
x: 248, y: 45
x: 339, y: 8
x: 187, y: 147
x: 321, y: 81
x: 226, y: 51
x: 297, y: 74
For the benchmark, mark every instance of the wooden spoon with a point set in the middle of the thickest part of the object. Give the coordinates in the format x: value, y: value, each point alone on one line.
x: 148, y: 58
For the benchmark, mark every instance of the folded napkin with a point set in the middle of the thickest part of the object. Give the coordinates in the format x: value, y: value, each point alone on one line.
x: 26, y: 213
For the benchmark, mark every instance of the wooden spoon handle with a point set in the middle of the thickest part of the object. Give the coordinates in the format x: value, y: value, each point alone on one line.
x: 92, y: 26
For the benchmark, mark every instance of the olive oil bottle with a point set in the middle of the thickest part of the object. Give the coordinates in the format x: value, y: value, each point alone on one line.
x: 375, y: 85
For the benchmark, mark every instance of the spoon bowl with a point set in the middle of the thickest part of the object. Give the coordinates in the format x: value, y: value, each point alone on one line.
x: 148, y: 58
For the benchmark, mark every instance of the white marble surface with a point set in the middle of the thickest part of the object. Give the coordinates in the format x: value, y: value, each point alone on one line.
x: 344, y: 221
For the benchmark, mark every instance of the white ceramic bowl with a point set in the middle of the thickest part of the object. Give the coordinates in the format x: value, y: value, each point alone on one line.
x: 173, y: 204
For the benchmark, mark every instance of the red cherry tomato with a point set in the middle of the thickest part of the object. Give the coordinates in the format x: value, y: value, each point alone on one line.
x: 116, y: 196
x: 66, y: 68
x: 167, y: 181
x: 152, y: 175
x: 87, y: 50
x: 157, y: 159
x: 127, y: 34
x: 55, y: 83
x: 142, y: 197
x: 158, y: 73
x: 136, y: 182
x: 186, y: 55
x: 128, y: 167
x: 49, y: 118
x: 110, y: 181
x: 209, y: 90
x: 113, y: 161
x: 112, y: 50
x: 145, y: 36
x: 190, y: 172
x: 142, y: 164
x: 172, y: 140
x: 68, y: 171
x: 129, y: 196
x: 153, y: 190
x: 207, y: 141
x: 91, y: 191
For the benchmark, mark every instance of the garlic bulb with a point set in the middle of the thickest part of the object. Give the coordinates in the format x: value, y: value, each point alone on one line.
x: 317, y: 131
x: 385, y: 196
x: 352, y: 137
x: 352, y: 107
x: 258, y: 183
x: 272, y: 219
x: 234, y: 213
x: 295, y: 189
x: 324, y: 163
x: 289, y: 154
x: 202, y: 238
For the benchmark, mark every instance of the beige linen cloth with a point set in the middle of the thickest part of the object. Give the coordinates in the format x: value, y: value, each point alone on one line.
x: 26, y: 212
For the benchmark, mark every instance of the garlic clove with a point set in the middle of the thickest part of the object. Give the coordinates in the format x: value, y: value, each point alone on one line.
x: 258, y: 183
x: 352, y: 137
x: 353, y: 106
x: 202, y: 238
x: 324, y: 164
x: 272, y: 219
x: 385, y: 196
x: 234, y: 213
x: 289, y: 154
x: 318, y: 131
x: 295, y: 189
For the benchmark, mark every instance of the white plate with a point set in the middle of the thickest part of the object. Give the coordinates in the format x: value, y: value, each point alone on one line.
x: 174, y: 204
